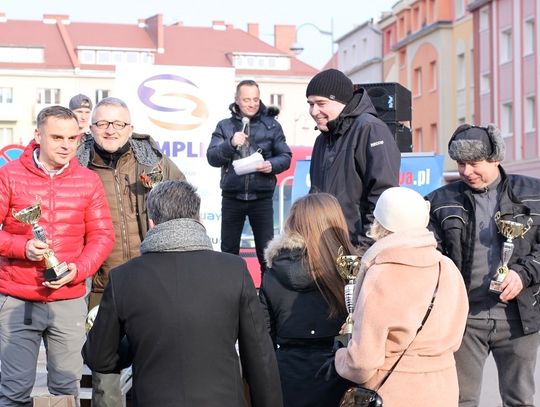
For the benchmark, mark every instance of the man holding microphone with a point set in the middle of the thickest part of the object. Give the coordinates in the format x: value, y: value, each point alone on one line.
x: 251, y: 128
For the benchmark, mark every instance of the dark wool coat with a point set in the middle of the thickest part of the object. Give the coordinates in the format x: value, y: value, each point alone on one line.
x: 182, y: 314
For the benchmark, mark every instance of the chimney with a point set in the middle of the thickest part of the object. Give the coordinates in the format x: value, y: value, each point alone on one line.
x: 284, y: 37
x: 253, y: 29
x: 141, y: 23
x: 219, y: 25
x: 3, y: 18
x: 56, y: 18
x: 154, y: 28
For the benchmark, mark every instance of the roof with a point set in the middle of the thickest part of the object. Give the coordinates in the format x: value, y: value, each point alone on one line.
x: 181, y: 45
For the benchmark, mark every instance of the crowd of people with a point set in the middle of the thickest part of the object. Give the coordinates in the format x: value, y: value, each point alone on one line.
x: 94, y: 215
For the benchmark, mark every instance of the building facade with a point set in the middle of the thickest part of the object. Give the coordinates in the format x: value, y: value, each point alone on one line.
x: 507, y: 61
x: 47, y: 62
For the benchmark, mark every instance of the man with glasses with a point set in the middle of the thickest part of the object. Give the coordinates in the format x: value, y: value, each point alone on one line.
x: 120, y: 157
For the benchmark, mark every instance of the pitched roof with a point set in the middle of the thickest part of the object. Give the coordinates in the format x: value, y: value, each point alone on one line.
x: 182, y: 45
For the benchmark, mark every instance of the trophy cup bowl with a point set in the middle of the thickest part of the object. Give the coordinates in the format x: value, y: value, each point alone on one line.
x: 510, y: 230
x: 152, y: 178
x: 55, y: 269
x: 29, y: 215
x: 347, y: 266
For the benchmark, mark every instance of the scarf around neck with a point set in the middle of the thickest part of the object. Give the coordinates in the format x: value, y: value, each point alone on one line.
x: 176, y: 235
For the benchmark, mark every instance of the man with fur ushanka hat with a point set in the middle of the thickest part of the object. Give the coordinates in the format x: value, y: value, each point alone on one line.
x: 463, y: 213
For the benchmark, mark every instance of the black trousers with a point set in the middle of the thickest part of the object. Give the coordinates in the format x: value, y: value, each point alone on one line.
x: 260, y: 214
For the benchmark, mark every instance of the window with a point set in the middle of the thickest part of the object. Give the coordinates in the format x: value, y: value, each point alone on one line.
x: 506, y: 46
x: 484, y: 19
x: 417, y: 82
x: 460, y: 8
x: 461, y: 74
x: 102, y: 94
x: 6, y: 136
x: 402, y: 58
x: 416, y: 18
x: 6, y: 95
x: 432, y: 10
x: 528, y: 37
x: 276, y: 99
x: 418, y: 139
x: 485, y: 84
x: 87, y: 56
x: 433, y: 75
x: 46, y: 96
x: 507, y: 125
x: 104, y: 58
x: 530, y: 114
x: 434, y: 133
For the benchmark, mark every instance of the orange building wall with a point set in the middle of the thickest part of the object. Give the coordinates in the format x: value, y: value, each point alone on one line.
x: 425, y: 98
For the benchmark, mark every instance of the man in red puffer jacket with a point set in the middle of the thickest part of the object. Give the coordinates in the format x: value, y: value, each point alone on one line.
x: 77, y: 224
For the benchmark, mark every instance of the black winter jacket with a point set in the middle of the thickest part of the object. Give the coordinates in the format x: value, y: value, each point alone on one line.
x: 452, y: 221
x: 266, y: 136
x: 356, y: 160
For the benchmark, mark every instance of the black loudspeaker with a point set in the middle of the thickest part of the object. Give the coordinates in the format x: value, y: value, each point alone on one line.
x: 402, y: 135
x: 391, y: 100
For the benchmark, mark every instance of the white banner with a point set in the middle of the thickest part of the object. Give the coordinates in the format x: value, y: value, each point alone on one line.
x: 180, y: 107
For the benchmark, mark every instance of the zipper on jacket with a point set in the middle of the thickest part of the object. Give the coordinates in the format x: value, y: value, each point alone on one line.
x: 127, y: 192
x: 123, y: 226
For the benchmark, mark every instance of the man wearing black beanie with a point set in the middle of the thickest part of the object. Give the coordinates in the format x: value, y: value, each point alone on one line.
x: 355, y: 158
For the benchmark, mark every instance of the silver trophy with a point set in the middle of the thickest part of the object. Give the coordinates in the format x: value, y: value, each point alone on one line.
x: 510, y: 230
x: 347, y: 267
x: 30, y: 215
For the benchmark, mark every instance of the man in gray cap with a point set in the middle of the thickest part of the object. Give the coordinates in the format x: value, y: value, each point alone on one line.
x: 502, y: 275
x: 81, y: 105
x: 355, y: 158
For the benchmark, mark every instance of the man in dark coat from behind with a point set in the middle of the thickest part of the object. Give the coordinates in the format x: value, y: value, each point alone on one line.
x: 180, y: 308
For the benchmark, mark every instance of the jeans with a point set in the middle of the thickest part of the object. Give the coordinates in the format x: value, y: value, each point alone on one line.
x: 23, y: 324
x: 515, y: 358
x: 260, y: 213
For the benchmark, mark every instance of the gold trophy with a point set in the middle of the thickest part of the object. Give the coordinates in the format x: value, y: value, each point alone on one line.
x: 510, y: 230
x: 347, y: 267
x: 154, y: 177
x: 30, y: 215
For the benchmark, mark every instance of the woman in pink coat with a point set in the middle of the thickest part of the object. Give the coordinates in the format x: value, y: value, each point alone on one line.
x: 393, y: 291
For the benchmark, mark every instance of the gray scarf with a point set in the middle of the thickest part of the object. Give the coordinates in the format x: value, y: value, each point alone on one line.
x: 177, y: 235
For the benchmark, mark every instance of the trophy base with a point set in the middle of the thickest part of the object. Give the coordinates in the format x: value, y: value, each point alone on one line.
x: 57, y: 272
x: 495, y: 287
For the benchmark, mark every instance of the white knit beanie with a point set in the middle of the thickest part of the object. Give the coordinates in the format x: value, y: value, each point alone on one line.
x: 400, y: 209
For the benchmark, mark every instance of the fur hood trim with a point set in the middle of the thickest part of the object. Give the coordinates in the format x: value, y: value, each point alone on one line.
x: 283, y: 242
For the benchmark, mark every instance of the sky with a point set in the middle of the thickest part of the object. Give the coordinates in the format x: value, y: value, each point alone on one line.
x: 337, y: 16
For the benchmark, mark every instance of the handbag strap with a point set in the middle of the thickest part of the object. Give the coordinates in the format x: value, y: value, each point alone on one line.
x: 430, y: 307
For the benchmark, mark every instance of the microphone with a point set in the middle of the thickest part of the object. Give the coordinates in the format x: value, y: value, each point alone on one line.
x: 245, y: 123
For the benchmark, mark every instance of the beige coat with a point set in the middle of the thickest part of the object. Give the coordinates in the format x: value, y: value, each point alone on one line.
x: 394, y: 288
